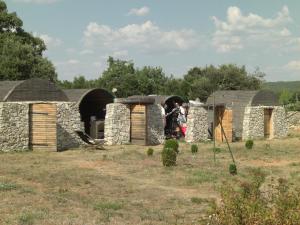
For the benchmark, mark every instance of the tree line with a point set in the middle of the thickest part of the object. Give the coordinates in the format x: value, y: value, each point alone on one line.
x: 21, y: 57
x: 198, y: 82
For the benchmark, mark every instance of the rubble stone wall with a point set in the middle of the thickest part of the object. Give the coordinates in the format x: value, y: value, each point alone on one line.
x: 14, y: 126
x: 197, y: 124
x: 155, y: 121
x: 117, y: 124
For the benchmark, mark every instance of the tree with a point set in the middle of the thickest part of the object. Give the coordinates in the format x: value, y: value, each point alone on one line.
x: 21, y: 54
x: 203, y: 81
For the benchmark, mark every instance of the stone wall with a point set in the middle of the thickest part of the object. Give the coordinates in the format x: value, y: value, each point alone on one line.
x: 280, y: 125
x: 293, y: 120
x: 197, y: 124
x: 68, y: 122
x: 253, y: 124
x: 155, y: 121
x: 14, y: 126
x: 117, y: 124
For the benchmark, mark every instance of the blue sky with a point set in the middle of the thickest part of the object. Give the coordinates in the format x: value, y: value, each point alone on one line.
x: 173, y: 34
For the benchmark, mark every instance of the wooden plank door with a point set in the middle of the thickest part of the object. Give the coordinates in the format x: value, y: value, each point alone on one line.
x: 42, y: 127
x: 268, y: 123
x: 138, y: 124
x: 223, y: 118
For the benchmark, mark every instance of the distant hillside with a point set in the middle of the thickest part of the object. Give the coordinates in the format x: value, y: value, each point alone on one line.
x: 292, y: 86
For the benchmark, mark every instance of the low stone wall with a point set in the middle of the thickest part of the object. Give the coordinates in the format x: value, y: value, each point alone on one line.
x: 253, y: 124
x: 155, y: 129
x: 68, y: 122
x: 117, y: 124
x: 197, y: 124
x: 293, y: 120
x: 14, y: 126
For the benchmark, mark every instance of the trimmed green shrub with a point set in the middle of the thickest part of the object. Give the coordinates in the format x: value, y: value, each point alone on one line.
x: 249, y: 144
x: 172, y: 143
x: 150, y: 152
x: 217, y: 150
x: 168, y: 156
x: 194, y: 149
x: 232, y: 169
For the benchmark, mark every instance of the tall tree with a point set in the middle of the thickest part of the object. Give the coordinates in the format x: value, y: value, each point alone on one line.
x: 21, y: 54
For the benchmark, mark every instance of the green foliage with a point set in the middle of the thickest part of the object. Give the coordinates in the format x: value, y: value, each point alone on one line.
x: 197, y: 83
x: 169, y: 157
x: 285, y: 97
x: 150, y: 151
x: 203, y: 81
x: 194, y: 149
x: 26, y: 219
x: 173, y: 144
x: 7, y: 186
x: 102, y: 206
x: 21, y: 54
x: 217, y: 150
x: 250, y: 205
x: 232, y: 169
x: 249, y: 144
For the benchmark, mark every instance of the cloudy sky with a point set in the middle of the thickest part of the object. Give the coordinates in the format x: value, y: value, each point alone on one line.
x: 173, y: 34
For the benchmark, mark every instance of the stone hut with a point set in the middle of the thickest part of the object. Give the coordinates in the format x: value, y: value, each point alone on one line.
x: 139, y: 120
x: 91, y: 104
x: 35, y: 114
x: 246, y: 114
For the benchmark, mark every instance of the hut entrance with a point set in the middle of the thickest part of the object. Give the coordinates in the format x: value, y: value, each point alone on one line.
x: 268, y: 129
x: 138, y: 124
x: 223, y: 118
x: 172, y: 128
x: 42, y: 127
x: 92, y: 109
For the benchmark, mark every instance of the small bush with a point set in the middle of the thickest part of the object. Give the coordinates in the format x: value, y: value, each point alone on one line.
x: 150, y: 152
x: 171, y: 143
x: 249, y: 144
x: 217, y: 150
x: 169, y: 156
x: 194, y: 149
x: 249, y: 205
x: 232, y: 169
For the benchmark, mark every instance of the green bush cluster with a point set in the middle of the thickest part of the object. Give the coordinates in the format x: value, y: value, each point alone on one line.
x: 194, y: 149
x: 150, y: 152
x: 169, y: 157
x: 172, y: 143
x: 169, y: 153
x: 249, y: 144
x: 248, y: 204
x: 232, y: 169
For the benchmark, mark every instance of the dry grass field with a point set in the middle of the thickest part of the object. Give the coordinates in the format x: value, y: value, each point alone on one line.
x: 122, y: 185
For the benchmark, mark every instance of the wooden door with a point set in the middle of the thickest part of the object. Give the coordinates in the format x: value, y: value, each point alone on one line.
x: 268, y: 123
x: 42, y: 127
x: 138, y: 124
x: 223, y: 118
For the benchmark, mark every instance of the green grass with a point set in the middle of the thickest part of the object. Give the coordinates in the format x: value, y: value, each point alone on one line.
x: 108, y: 206
x: 7, y: 186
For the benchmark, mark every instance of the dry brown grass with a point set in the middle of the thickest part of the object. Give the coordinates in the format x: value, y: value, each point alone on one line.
x: 122, y: 185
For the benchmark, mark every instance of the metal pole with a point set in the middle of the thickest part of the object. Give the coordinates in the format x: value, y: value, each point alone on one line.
x: 214, y: 124
x: 227, y: 143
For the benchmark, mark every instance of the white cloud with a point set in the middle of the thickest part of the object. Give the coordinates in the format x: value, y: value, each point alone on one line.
x: 86, y: 52
x: 37, y: 1
x: 139, y: 12
x: 293, y: 65
x: 49, y: 41
x: 146, y: 37
x: 241, y: 30
x: 72, y: 61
